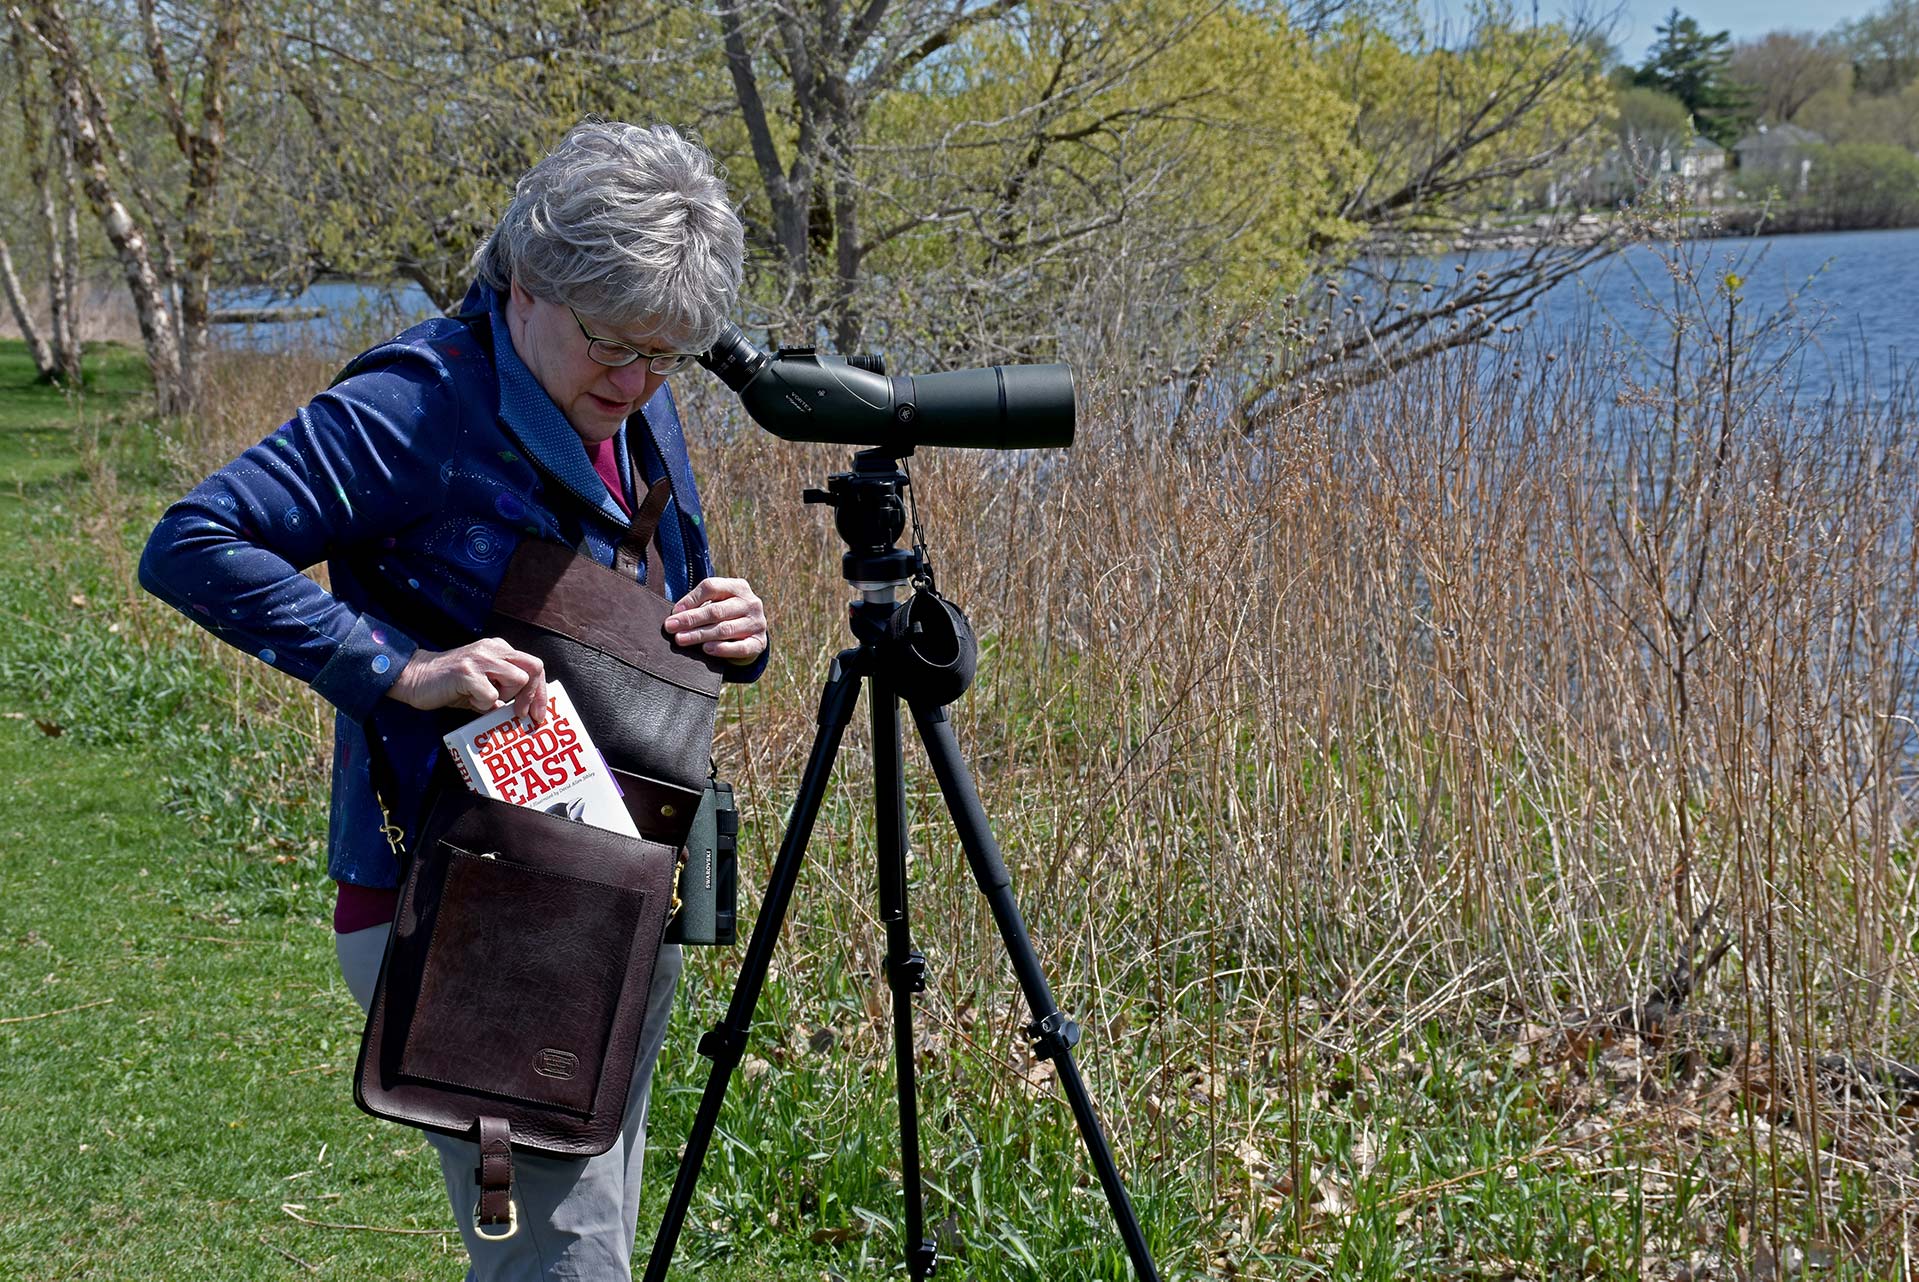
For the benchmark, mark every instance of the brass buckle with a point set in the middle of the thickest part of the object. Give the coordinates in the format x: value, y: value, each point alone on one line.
x: 512, y: 1222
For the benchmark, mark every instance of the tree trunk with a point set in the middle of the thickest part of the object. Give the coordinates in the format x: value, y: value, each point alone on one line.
x: 23, y: 315
x: 157, y: 332
x: 833, y: 60
x: 847, y: 321
x: 62, y: 359
x: 789, y: 193
x: 63, y: 275
x: 205, y: 150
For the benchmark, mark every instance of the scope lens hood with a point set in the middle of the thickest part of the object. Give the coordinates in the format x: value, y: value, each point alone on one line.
x: 930, y: 655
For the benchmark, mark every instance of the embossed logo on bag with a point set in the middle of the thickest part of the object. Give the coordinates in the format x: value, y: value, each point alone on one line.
x: 556, y: 1063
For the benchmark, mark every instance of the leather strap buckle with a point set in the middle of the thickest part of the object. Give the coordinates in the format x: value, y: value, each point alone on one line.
x: 512, y: 1222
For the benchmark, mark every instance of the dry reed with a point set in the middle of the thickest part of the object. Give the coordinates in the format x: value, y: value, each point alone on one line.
x: 1474, y: 697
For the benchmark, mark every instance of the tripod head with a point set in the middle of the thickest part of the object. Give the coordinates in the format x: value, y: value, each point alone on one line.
x: 924, y: 643
x: 870, y: 516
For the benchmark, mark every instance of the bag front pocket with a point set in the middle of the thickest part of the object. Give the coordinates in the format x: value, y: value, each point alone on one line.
x: 520, y: 980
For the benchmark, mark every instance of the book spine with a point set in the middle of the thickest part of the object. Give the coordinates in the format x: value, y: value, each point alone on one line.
x: 459, y: 759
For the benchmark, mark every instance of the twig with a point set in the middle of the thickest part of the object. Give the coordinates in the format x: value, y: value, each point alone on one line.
x: 49, y: 1014
x: 1890, y: 1219
x: 309, y: 1267
x: 287, y: 1208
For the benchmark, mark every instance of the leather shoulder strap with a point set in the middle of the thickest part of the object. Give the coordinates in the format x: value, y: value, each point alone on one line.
x: 639, y: 544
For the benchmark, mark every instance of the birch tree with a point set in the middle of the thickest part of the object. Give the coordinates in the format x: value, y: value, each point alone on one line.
x: 163, y: 236
x: 48, y: 160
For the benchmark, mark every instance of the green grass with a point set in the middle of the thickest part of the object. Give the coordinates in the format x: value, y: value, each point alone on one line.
x: 174, y: 1069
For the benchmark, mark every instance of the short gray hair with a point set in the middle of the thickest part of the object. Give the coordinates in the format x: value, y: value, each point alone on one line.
x: 628, y: 224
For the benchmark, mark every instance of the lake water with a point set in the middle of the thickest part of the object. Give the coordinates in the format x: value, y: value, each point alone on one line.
x: 1846, y: 303
x: 353, y: 312
x: 1850, y: 302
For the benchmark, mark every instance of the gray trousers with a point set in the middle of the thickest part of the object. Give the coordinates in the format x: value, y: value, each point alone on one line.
x: 577, y: 1217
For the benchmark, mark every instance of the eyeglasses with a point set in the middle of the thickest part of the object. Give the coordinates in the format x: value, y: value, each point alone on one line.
x: 612, y: 353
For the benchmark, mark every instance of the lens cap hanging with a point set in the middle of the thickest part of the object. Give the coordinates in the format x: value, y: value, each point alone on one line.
x: 930, y: 654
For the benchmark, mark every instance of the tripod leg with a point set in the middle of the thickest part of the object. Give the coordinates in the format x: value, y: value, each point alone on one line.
x: 1052, y: 1032
x: 726, y: 1043
x: 905, y: 965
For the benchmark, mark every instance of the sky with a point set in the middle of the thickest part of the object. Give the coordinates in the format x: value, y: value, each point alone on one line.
x: 1633, y: 30
x: 1744, y: 18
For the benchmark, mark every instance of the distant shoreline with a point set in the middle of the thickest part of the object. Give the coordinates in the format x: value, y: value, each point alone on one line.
x: 1588, y: 229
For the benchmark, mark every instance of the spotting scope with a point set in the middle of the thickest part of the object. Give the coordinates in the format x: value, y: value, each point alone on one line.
x: 801, y: 394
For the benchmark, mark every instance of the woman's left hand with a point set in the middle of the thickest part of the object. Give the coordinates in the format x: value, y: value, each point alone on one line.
x: 723, y: 617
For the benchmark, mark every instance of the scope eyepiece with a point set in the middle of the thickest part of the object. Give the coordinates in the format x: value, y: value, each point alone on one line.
x: 734, y: 358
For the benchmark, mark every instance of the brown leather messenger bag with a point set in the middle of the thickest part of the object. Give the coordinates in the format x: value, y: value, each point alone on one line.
x: 515, y: 980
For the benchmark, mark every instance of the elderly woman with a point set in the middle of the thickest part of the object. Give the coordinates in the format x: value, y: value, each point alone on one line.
x: 538, y: 413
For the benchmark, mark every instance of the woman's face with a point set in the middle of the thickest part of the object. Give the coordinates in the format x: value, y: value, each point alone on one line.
x: 595, y: 398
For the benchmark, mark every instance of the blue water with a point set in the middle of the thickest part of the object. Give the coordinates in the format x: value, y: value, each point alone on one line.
x: 356, y: 314
x: 1830, y: 314
x: 1844, y: 304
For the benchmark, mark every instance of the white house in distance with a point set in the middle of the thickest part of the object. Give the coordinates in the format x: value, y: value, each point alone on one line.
x: 1782, y: 150
x: 1700, y: 164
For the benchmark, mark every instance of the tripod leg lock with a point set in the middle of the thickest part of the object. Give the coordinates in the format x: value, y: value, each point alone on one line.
x: 1053, y: 1036
x: 724, y: 1044
x: 910, y: 974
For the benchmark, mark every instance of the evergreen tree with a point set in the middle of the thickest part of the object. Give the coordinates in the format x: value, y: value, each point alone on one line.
x: 1692, y: 66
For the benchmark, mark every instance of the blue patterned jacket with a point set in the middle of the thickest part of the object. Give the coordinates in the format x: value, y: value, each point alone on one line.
x: 414, y: 477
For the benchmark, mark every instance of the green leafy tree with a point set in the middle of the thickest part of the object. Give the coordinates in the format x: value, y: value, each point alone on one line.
x: 1445, y: 130
x: 1841, y: 117
x: 1129, y: 159
x: 1693, y: 67
x: 1446, y: 134
x: 960, y: 176
x: 1650, y: 119
x: 1866, y: 185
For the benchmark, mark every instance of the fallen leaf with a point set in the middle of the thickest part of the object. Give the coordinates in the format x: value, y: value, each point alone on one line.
x: 51, y: 729
x: 79, y: 599
x: 1331, y: 1195
x: 1038, y: 1076
x: 1255, y: 1162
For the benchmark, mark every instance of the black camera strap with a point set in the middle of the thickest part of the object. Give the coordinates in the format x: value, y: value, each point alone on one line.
x: 923, y: 580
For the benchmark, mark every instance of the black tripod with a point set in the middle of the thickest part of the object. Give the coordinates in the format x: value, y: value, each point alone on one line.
x: 870, y: 517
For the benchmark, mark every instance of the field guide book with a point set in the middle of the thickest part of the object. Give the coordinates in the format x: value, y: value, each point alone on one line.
x: 552, y: 767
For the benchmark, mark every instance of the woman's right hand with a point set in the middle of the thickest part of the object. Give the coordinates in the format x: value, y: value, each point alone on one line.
x: 480, y: 676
